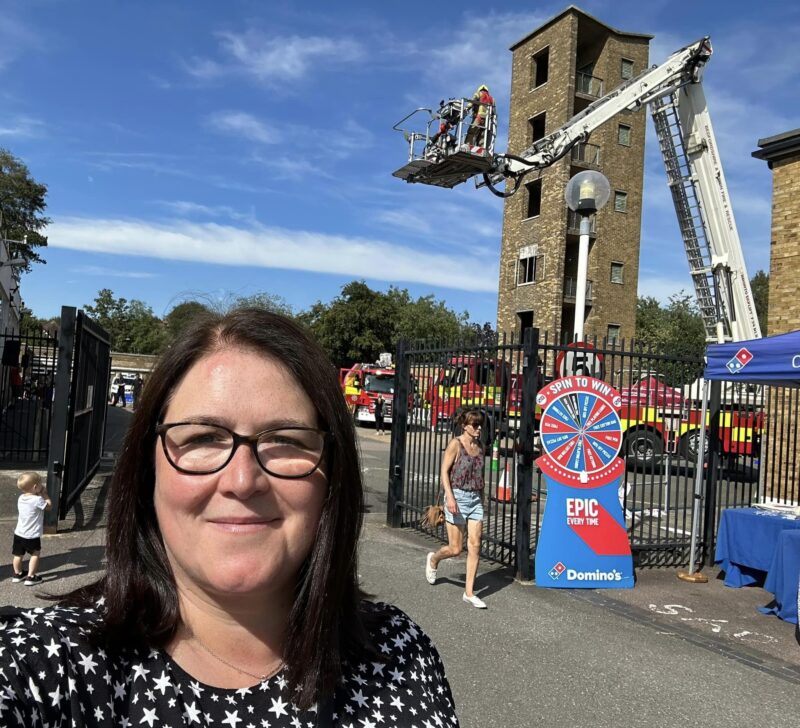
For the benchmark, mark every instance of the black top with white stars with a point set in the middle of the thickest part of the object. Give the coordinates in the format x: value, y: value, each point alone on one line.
x: 52, y: 676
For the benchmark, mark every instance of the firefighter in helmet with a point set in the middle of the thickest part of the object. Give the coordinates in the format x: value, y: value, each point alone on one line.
x: 481, y: 101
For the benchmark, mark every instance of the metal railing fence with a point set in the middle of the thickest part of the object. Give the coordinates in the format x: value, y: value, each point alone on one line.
x: 660, y: 416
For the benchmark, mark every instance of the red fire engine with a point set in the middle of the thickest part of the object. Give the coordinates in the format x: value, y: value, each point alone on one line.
x: 657, y: 419
x: 470, y: 381
x: 361, y: 385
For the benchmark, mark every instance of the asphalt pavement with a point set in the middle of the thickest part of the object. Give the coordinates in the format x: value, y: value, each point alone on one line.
x: 662, y: 654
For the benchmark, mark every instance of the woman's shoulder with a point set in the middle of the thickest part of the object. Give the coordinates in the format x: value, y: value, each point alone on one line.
x: 387, y: 623
x: 74, y: 621
x: 402, y: 670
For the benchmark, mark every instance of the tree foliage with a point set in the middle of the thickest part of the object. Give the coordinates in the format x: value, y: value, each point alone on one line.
x: 361, y: 323
x: 132, y: 325
x: 676, y: 330
x: 760, y: 286
x: 22, y: 206
x: 182, y: 316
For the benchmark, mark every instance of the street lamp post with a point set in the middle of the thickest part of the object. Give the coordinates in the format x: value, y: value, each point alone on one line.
x: 586, y: 193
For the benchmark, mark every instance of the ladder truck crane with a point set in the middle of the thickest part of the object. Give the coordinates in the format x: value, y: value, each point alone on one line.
x: 674, y: 92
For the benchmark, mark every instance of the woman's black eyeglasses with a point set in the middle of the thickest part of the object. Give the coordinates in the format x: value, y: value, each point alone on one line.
x: 201, y: 449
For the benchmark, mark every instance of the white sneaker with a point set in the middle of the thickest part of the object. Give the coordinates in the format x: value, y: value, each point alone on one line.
x: 430, y: 572
x: 476, y: 602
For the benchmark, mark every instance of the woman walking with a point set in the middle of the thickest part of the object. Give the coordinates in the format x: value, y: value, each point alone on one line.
x: 462, y: 480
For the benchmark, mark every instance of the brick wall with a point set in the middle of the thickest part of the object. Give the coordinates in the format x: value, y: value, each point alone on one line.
x: 617, y: 233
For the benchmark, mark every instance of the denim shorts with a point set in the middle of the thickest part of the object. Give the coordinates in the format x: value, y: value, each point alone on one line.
x: 470, y: 507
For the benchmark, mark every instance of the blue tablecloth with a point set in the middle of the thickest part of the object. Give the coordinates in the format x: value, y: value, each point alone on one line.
x: 751, y: 549
x: 783, y: 575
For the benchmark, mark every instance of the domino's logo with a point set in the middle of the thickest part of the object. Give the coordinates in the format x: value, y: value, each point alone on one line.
x: 557, y: 571
x: 742, y: 358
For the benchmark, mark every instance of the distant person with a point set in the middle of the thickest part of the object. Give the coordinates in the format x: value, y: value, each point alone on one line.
x: 137, y: 389
x: 481, y: 101
x: 120, y: 389
x: 380, y: 405
x: 462, y: 480
x: 115, y: 390
x: 31, y: 506
x: 16, y: 382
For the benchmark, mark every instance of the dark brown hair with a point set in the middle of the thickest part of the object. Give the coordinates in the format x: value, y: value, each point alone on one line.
x: 141, y: 600
x: 468, y: 415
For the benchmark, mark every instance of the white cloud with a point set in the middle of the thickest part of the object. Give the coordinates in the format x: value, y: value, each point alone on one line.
x: 273, y: 60
x: 185, y: 208
x: 271, y: 247
x: 242, y: 124
x: 17, y: 38
x: 96, y: 270
x: 21, y: 126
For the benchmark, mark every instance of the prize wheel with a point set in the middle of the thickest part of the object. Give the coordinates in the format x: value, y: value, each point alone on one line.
x: 581, y: 437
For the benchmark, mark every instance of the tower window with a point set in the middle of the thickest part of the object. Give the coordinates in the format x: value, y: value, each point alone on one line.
x: 536, y: 124
x: 620, y: 201
x: 534, y: 190
x: 624, y: 135
x: 626, y: 69
x: 540, y: 67
x: 530, y: 269
x: 617, y: 270
x: 612, y: 336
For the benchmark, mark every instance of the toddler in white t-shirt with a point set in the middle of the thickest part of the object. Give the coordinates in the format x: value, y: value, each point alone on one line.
x: 31, y: 506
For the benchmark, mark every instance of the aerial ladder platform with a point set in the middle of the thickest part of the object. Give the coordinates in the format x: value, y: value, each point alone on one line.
x: 674, y: 92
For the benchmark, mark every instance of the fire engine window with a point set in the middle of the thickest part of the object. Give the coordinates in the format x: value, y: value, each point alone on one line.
x: 486, y: 375
x: 379, y: 384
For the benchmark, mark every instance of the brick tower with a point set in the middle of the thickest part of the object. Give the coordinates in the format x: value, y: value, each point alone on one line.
x: 558, y: 70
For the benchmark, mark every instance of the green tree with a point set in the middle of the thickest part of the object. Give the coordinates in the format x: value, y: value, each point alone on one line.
x: 424, y: 318
x: 182, y: 316
x: 356, y: 326
x: 132, y: 326
x: 268, y: 301
x: 33, y: 325
x: 760, y: 285
x: 361, y: 323
x: 22, y: 206
x: 676, y: 330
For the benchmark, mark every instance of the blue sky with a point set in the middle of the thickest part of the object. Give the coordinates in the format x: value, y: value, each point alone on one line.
x: 218, y: 149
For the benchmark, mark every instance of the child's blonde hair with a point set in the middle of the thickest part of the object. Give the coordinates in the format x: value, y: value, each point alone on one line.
x: 28, y: 481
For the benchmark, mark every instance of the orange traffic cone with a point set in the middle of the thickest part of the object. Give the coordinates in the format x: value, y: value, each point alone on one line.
x: 504, y: 489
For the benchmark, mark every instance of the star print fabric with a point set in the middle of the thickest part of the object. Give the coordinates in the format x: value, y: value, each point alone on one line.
x: 51, y: 675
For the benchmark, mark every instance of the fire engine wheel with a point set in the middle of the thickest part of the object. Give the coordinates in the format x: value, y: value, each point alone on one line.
x: 642, y: 446
x: 689, y: 444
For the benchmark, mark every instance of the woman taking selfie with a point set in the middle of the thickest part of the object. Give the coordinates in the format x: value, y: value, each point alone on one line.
x: 230, y: 595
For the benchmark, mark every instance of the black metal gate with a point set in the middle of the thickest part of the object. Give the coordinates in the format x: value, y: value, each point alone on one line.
x: 26, y: 395
x: 79, y: 408
x: 661, y: 417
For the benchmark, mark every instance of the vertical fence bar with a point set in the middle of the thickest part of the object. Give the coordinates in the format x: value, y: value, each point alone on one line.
x: 530, y: 351
x: 712, y: 474
x: 60, y: 414
x: 397, y: 449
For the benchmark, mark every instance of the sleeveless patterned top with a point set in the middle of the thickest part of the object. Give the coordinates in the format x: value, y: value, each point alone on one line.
x: 467, y: 471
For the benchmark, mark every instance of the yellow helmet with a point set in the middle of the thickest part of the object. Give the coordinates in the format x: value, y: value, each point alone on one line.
x: 483, y: 87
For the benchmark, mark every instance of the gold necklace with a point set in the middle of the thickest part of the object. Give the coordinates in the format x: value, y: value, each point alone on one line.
x: 262, y: 678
